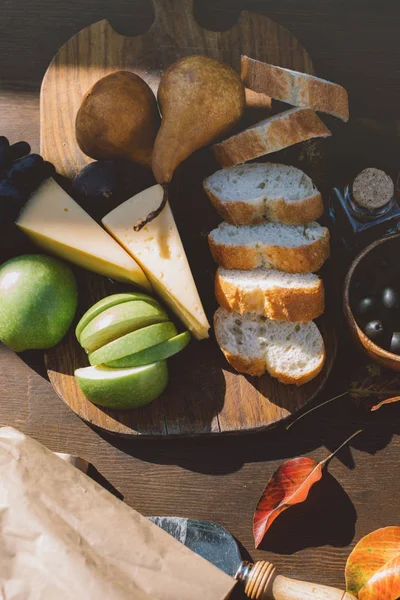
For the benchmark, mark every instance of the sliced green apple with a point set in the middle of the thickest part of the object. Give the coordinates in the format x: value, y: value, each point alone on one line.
x: 123, y: 388
x: 109, y: 302
x: 160, y: 352
x: 133, y: 342
x: 120, y: 320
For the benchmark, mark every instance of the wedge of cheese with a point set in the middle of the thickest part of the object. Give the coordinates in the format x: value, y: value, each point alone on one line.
x: 159, y: 251
x: 54, y: 221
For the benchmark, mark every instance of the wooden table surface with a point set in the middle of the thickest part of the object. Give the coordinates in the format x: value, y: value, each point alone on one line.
x: 355, y: 44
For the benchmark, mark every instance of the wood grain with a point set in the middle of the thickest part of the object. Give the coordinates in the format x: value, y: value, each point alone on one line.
x: 221, y: 478
x: 203, y: 396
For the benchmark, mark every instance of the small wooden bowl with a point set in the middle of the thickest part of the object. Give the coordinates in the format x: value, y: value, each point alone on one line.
x: 376, y: 353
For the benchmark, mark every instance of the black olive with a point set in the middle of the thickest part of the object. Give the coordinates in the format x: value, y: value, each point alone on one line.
x: 375, y: 331
x: 366, y: 306
x: 390, y: 298
x: 395, y: 343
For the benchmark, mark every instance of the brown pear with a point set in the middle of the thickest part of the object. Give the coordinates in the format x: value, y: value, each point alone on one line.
x: 200, y: 99
x: 118, y: 118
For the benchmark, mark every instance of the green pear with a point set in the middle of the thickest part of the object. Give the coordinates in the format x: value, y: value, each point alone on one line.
x: 160, y: 352
x: 133, y: 342
x: 108, y: 302
x: 120, y: 320
x: 123, y: 388
x: 38, y: 300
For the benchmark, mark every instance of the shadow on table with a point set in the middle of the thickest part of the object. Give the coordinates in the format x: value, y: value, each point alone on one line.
x: 328, y: 517
x: 221, y: 454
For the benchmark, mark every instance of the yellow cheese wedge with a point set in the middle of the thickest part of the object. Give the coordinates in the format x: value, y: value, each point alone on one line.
x: 159, y: 250
x: 54, y: 221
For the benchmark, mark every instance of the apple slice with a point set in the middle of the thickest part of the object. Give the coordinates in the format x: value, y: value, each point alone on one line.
x: 123, y: 388
x: 109, y: 302
x: 133, y: 342
x: 120, y: 320
x: 160, y: 352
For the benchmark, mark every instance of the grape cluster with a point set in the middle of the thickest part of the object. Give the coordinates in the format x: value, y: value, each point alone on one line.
x: 20, y: 174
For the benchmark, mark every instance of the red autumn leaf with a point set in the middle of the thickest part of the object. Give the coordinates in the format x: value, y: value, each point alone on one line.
x: 289, y: 485
x: 373, y: 567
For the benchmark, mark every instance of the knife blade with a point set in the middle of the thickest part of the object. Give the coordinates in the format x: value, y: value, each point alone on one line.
x: 260, y: 580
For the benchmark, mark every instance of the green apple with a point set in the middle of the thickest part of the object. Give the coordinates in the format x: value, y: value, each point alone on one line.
x: 108, y: 302
x: 123, y: 388
x: 133, y: 342
x: 38, y: 300
x: 120, y: 320
x: 160, y: 352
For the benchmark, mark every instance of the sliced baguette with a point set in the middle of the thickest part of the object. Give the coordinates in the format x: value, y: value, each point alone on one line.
x: 273, y: 134
x: 270, y: 293
x: 289, y: 248
x: 291, y: 352
x: 252, y: 193
x: 299, y: 89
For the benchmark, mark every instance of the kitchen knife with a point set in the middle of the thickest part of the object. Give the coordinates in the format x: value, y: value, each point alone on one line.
x: 260, y: 580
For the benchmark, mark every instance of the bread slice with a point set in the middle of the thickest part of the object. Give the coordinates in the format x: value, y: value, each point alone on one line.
x: 299, y: 89
x: 291, y: 352
x: 252, y: 193
x: 289, y: 248
x: 273, y: 134
x: 270, y: 293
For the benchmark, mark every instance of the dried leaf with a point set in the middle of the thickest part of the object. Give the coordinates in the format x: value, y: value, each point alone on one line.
x: 289, y: 485
x: 387, y: 401
x: 373, y: 567
x: 376, y: 385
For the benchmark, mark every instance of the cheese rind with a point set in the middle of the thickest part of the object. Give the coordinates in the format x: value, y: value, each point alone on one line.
x: 159, y: 250
x: 54, y: 221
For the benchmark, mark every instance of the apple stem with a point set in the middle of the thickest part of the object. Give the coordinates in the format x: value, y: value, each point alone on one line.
x: 151, y: 216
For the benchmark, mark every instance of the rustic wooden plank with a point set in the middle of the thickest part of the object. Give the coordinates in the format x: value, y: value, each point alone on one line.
x: 221, y: 478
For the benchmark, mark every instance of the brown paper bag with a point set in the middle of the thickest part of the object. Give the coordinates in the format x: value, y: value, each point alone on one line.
x: 62, y: 536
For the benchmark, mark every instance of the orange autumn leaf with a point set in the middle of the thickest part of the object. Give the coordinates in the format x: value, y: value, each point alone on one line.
x: 289, y: 485
x: 373, y: 567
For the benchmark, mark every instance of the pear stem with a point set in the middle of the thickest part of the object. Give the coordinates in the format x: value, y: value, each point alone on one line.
x: 315, y: 408
x: 151, y: 216
x: 328, y: 458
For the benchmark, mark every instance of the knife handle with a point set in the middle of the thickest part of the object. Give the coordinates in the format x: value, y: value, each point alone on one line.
x: 263, y: 583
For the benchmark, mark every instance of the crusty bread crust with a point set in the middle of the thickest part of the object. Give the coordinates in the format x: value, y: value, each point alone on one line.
x: 295, y: 88
x: 241, y: 212
x: 300, y: 259
x: 258, y: 366
x: 278, y: 303
x: 273, y: 134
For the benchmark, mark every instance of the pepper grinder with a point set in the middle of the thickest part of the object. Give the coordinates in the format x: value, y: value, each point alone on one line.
x: 364, y: 211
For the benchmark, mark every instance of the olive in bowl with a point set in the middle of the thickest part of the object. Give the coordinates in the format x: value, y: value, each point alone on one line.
x: 371, y: 301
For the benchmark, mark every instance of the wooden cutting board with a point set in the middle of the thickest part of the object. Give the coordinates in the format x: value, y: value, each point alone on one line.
x: 204, y: 396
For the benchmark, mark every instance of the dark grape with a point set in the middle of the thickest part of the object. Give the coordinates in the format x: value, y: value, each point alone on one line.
x: 25, y: 169
x: 4, y: 152
x: 18, y: 150
x: 375, y: 331
x: 8, y: 191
